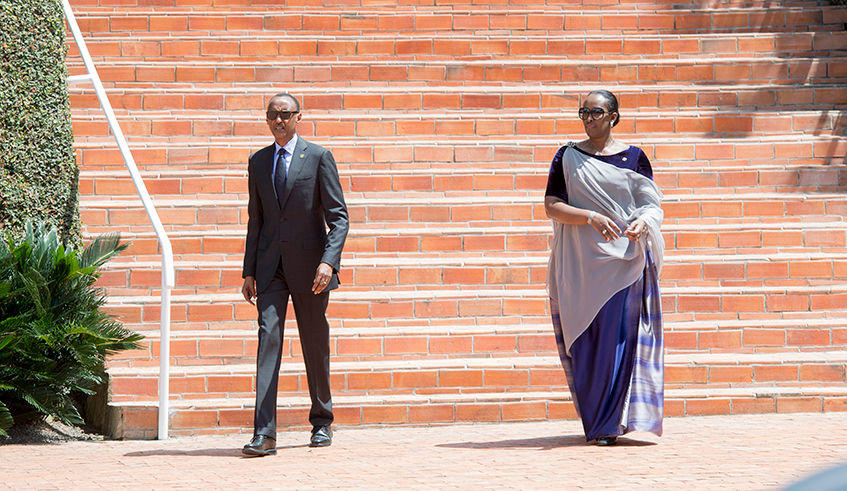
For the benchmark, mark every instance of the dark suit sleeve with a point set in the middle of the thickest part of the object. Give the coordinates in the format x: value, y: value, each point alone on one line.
x: 255, y: 221
x: 335, y: 210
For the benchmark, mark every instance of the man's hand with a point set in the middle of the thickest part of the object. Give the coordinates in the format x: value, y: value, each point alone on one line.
x: 322, y: 277
x: 249, y: 289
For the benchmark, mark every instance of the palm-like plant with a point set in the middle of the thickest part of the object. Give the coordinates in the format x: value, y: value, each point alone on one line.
x: 53, y: 336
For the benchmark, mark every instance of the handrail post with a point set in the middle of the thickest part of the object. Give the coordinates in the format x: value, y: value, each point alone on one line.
x: 161, y: 235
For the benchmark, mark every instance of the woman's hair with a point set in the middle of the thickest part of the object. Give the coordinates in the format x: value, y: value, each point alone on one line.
x: 611, y: 100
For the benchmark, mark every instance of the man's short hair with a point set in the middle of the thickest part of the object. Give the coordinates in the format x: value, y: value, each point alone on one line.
x: 289, y: 96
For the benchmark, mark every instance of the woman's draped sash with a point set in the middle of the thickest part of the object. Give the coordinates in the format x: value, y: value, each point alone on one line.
x: 585, y: 271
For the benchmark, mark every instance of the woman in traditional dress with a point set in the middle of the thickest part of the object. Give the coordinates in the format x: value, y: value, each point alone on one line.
x: 603, y: 277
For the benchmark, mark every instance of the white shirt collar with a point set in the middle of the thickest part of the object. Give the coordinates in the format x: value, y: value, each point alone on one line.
x: 289, y: 147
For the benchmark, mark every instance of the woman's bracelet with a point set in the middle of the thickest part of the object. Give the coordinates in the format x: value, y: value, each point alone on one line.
x: 591, y: 215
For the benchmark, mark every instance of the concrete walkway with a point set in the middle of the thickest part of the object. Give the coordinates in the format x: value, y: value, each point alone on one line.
x: 757, y: 452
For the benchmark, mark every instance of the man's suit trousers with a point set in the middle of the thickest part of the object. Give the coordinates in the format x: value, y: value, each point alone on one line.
x: 310, y: 312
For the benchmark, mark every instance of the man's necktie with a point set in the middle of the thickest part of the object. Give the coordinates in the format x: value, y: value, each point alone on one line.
x: 280, y: 177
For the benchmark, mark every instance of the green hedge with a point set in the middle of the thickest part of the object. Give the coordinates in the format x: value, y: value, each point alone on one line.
x: 39, y: 177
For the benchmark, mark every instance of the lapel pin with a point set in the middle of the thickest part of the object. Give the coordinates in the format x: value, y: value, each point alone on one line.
x: 302, y: 155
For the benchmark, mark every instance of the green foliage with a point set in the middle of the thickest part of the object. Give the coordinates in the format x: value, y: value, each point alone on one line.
x: 6, y: 420
x: 53, y: 336
x: 39, y: 177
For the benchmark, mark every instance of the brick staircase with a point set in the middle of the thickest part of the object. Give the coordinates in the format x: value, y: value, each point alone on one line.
x: 444, y: 118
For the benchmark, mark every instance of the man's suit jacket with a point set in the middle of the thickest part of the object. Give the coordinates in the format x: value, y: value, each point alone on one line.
x: 296, y: 233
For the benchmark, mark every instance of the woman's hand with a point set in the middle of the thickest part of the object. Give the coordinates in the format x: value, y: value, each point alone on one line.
x: 636, y: 229
x: 606, y: 226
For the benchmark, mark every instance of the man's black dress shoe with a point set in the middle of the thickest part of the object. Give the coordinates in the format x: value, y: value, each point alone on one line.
x: 607, y: 441
x: 321, y: 436
x: 260, y: 446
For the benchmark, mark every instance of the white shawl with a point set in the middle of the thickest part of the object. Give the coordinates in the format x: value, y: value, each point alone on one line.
x: 585, y: 271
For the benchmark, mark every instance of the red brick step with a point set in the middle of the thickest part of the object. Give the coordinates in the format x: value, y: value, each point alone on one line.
x: 524, y: 97
x: 495, y: 152
x: 528, y: 179
x: 262, y: 46
x: 728, y: 70
x: 206, y: 5
x: 365, y: 344
x: 381, y: 308
x: 473, y: 375
x: 134, y: 420
x: 493, y: 270
x: 476, y: 210
x: 476, y: 19
x: 447, y: 125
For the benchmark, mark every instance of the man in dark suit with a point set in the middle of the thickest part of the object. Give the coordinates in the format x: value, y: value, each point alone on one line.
x: 294, y: 195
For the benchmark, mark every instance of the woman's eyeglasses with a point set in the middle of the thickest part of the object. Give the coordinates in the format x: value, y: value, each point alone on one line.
x: 596, y: 113
x: 272, y: 115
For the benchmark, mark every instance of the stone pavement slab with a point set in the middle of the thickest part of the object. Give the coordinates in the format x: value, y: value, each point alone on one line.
x: 755, y: 452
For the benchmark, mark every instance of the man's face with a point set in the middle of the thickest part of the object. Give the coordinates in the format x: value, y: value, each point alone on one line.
x: 283, y: 126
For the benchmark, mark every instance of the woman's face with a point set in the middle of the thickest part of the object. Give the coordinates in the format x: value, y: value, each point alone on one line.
x: 597, y: 127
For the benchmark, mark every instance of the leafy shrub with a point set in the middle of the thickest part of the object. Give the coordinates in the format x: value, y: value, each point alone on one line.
x: 39, y: 177
x: 53, y: 336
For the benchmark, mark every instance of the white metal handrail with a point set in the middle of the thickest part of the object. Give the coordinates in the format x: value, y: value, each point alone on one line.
x: 164, y: 241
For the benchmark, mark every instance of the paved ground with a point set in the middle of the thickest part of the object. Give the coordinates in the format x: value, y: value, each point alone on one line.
x: 761, y: 452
